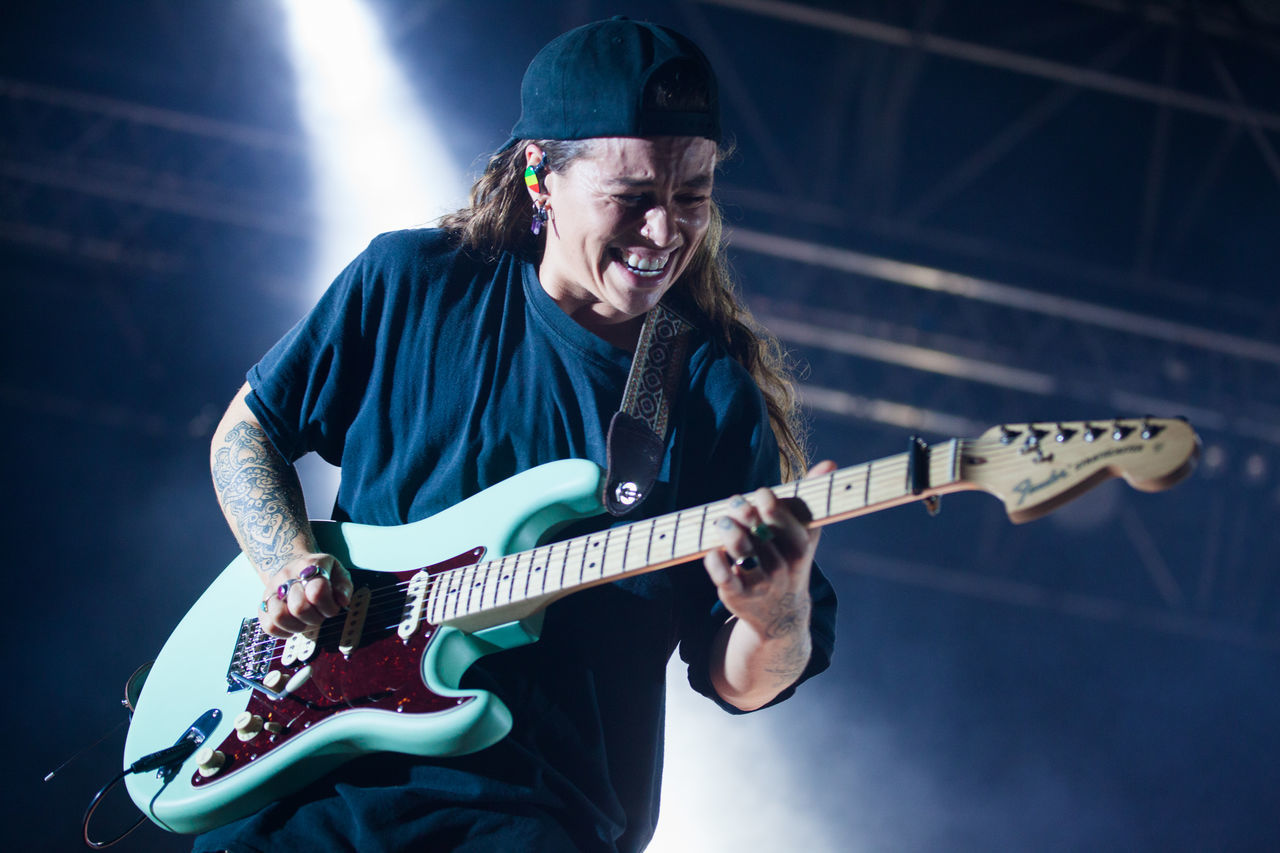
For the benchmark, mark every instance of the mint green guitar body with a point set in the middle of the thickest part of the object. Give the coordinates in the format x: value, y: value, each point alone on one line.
x: 383, y: 679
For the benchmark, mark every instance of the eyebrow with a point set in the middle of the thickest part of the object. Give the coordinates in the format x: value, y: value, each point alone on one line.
x: 698, y: 182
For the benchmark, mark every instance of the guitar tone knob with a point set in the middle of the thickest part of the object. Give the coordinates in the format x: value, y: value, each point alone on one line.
x: 209, y: 761
x: 248, y: 725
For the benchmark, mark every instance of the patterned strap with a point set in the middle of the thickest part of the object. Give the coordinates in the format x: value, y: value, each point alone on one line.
x: 638, y: 431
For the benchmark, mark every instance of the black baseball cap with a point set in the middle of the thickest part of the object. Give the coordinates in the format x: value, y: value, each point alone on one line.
x: 591, y: 82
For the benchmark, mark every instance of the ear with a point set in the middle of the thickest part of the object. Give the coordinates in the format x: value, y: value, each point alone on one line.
x: 535, y: 183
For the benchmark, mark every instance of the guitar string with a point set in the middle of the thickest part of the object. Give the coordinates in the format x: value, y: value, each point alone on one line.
x: 1015, y: 455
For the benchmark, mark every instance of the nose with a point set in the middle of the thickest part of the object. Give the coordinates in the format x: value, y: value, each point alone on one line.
x: 659, y: 227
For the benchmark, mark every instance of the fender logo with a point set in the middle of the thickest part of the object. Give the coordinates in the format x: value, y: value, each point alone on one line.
x: 1027, y: 488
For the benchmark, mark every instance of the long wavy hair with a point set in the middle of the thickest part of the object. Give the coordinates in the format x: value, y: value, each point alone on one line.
x: 498, y: 220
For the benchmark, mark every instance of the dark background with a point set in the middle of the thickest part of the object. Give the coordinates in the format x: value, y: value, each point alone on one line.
x: 1105, y: 173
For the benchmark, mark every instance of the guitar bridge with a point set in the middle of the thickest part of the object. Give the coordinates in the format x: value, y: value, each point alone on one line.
x: 251, y: 659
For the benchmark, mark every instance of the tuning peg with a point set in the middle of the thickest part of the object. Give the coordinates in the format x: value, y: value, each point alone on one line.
x: 1150, y: 430
x: 1008, y: 435
x: 1064, y: 434
x: 1119, y: 431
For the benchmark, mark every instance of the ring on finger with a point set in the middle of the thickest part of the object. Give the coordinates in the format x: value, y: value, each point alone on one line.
x: 312, y: 572
x: 263, y: 606
x: 762, y: 531
x: 747, y: 563
x: 282, y: 591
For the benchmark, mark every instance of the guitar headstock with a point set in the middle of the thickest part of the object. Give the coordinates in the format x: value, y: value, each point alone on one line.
x: 1036, y: 467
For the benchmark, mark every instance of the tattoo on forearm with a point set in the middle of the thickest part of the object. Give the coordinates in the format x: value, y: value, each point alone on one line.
x: 267, y: 509
x: 790, y: 613
x: 790, y: 620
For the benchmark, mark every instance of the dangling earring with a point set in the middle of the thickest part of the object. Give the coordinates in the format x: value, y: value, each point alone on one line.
x: 531, y: 175
x: 539, y: 216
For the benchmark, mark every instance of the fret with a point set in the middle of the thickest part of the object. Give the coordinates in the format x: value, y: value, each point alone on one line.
x: 648, y: 542
x: 466, y: 592
x: 613, y: 558
x: 575, y: 563
x: 593, y: 557
x: 457, y: 591
x: 505, y: 579
x: 662, y: 542
x: 489, y: 583
x: 535, y: 560
x: 436, y: 593
x: 557, y: 558
x: 636, y: 555
x: 451, y: 586
x: 702, y: 527
x: 687, y: 535
x: 848, y: 489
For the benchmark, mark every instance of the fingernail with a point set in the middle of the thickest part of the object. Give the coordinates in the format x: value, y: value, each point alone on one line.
x: 724, y: 524
x: 737, y: 501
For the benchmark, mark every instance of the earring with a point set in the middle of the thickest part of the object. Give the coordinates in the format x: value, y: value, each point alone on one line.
x: 532, y: 173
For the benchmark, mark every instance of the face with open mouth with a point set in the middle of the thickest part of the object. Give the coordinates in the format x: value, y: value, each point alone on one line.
x: 624, y: 222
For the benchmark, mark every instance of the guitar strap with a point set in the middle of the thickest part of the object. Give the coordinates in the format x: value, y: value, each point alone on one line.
x: 638, y: 432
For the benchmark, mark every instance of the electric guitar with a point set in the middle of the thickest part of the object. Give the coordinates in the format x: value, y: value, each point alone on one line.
x: 270, y: 715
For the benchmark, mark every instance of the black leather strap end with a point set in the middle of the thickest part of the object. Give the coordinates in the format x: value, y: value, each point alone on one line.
x: 635, y: 454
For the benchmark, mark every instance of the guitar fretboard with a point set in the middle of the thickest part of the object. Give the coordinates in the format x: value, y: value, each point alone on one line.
x: 671, y: 539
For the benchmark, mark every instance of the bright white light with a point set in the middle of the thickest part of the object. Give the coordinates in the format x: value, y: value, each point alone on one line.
x: 378, y: 162
x: 728, y: 783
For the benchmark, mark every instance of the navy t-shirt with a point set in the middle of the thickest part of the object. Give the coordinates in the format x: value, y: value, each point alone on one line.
x: 429, y: 375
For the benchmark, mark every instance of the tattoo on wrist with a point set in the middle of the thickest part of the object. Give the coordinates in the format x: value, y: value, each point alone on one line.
x: 790, y: 619
x: 790, y: 614
x: 267, y: 510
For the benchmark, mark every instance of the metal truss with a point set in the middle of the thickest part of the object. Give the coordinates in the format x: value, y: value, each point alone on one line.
x: 128, y: 191
x: 833, y: 255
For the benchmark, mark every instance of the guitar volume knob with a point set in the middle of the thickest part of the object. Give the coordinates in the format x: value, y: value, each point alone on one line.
x: 209, y: 761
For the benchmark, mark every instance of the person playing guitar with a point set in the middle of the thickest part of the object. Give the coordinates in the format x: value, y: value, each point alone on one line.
x: 444, y: 361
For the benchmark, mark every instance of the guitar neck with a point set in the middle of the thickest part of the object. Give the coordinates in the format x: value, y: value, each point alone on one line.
x: 551, y: 571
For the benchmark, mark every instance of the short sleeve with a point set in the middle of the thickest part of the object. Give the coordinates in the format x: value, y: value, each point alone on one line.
x: 306, y: 390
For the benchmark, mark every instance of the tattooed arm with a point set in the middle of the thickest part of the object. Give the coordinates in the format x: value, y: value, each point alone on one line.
x: 765, y: 646
x: 262, y: 501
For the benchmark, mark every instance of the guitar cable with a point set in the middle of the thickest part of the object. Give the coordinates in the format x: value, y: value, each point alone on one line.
x: 167, y: 758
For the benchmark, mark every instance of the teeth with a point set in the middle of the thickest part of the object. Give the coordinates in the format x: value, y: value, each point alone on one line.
x: 652, y: 266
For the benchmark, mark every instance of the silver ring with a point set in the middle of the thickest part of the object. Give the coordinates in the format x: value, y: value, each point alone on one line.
x: 312, y: 572
x: 747, y: 563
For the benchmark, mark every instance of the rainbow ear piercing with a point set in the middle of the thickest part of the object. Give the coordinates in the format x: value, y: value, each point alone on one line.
x: 531, y: 175
x: 533, y: 172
